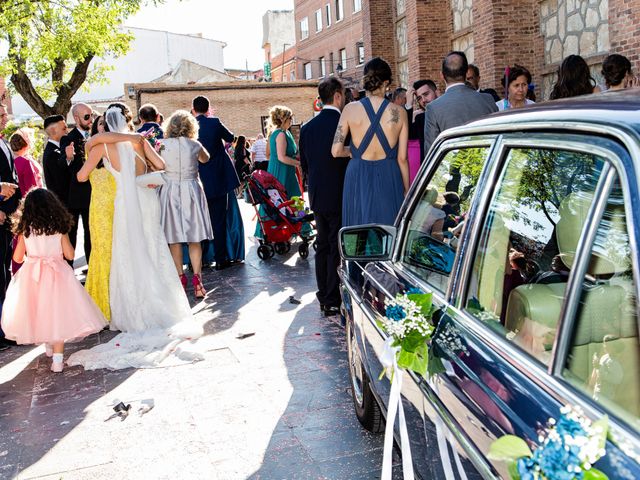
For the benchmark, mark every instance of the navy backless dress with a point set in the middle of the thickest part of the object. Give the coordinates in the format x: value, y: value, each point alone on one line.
x: 373, y: 189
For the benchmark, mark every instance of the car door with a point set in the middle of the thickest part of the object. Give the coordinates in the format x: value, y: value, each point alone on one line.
x: 496, y: 343
x: 438, y: 205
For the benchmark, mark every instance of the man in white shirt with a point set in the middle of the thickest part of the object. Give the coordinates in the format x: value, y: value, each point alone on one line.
x: 259, y: 153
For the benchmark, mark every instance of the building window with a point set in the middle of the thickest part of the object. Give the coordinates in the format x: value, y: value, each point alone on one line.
x: 343, y: 58
x: 323, y: 69
x: 328, y: 13
x: 400, y: 7
x: 292, y: 75
x: 357, y: 6
x: 304, y: 28
x: 331, y: 63
x: 360, y: 50
x: 307, y: 71
x: 339, y: 10
x: 318, y: 20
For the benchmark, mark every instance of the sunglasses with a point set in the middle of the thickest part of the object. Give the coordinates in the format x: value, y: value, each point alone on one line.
x: 87, y: 116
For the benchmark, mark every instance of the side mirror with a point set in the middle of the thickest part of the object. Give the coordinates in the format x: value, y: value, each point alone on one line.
x: 367, y: 242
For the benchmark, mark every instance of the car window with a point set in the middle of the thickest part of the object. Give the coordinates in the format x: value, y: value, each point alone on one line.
x: 527, y: 242
x: 438, y: 217
x: 604, y: 357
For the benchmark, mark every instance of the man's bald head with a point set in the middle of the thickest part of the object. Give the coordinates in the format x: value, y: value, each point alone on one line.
x: 454, y: 67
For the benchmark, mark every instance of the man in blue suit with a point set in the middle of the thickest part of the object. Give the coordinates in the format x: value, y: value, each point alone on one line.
x: 325, y: 179
x: 218, y: 176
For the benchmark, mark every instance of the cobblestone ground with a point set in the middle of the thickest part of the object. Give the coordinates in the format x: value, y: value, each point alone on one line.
x: 273, y: 405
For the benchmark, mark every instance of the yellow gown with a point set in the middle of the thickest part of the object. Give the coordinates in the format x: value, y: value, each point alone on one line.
x: 103, y: 193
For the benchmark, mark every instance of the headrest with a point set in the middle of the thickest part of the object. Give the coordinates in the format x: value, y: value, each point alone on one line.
x: 574, y: 211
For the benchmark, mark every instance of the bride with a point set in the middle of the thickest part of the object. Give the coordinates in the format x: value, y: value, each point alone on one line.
x: 148, y: 303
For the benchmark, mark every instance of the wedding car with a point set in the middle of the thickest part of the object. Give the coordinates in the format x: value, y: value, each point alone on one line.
x: 524, y: 227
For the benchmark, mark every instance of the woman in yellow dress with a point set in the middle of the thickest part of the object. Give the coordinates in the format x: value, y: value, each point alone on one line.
x: 103, y: 193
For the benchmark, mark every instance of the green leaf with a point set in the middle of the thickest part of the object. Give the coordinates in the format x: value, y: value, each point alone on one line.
x: 594, y: 474
x: 509, y: 447
x: 423, y: 301
x: 435, y: 364
x: 512, y: 467
x: 603, y: 426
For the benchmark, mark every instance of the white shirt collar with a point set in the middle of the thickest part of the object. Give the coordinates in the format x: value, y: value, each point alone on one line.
x: 57, y: 144
x: 452, y: 85
x: 331, y: 107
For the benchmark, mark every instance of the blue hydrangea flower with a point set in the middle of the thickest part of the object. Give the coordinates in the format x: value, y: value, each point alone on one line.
x: 414, y: 291
x: 568, y: 426
x: 526, y: 468
x: 396, y: 313
x: 559, y: 462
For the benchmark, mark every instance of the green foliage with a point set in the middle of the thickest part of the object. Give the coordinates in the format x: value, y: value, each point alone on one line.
x: 509, y: 448
x: 594, y: 474
x: 53, y: 42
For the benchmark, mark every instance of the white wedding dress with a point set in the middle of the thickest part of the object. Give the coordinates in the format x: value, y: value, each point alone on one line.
x: 148, y: 304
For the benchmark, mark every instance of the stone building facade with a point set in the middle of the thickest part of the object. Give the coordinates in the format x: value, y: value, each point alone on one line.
x: 329, y: 39
x: 242, y: 106
x: 414, y: 35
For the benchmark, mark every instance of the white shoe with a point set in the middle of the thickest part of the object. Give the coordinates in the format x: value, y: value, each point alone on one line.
x: 58, y: 363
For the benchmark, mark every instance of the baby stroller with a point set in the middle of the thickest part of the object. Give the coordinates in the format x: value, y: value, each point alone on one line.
x: 278, y: 220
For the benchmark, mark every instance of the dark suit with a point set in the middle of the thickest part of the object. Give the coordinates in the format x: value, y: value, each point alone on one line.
x: 459, y: 105
x: 148, y: 126
x: 79, y: 192
x: 8, y: 206
x: 219, y: 180
x: 56, y: 173
x: 326, y: 179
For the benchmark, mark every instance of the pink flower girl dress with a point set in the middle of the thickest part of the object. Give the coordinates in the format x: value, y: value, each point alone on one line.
x: 45, y: 303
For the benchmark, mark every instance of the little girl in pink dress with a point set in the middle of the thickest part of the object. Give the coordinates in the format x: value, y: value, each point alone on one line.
x: 45, y: 303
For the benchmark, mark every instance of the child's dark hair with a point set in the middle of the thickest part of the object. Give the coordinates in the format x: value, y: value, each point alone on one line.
x: 41, y: 213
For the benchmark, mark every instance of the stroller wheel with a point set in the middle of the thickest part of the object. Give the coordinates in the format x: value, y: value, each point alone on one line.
x: 264, y: 252
x: 281, y: 248
x: 303, y: 250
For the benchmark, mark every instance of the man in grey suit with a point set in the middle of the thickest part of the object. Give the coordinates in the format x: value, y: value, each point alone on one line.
x: 459, y: 104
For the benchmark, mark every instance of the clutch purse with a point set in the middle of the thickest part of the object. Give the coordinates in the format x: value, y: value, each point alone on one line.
x: 152, y: 178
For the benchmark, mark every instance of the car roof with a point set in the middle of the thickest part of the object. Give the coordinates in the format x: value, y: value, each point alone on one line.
x: 619, y: 109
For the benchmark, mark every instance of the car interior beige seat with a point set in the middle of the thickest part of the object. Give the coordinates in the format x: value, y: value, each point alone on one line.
x: 605, y: 354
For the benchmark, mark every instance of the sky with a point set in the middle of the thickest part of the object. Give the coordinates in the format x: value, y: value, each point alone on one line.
x: 238, y: 23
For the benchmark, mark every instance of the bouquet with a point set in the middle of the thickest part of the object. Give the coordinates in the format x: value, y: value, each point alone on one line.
x: 568, y: 449
x: 151, y: 136
x: 407, y: 322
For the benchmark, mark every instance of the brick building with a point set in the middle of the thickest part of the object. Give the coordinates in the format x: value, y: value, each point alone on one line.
x: 242, y: 106
x: 278, y: 43
x: 329, y: 37
x: 284, y: 65
x: 414, y: 35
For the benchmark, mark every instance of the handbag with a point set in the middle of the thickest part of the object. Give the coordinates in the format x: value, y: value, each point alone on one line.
x: 152, y: 178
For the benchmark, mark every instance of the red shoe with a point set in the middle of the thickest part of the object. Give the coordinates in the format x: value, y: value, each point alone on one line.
x: 183, y: 281
x: 198, y: 289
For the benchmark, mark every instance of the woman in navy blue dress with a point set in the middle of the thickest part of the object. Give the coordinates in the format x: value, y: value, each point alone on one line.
x: 377, y: 176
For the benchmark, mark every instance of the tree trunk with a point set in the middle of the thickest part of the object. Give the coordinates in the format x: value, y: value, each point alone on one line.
x: 66, y: 91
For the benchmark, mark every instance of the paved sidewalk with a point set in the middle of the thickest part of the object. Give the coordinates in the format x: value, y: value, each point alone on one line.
x: 273, y: 405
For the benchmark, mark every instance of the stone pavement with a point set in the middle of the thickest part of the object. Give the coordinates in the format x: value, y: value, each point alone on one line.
x: 273, y: 405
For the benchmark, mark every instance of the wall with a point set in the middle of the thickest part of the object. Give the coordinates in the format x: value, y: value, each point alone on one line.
x: 239, y: 105
x: 278, y: 30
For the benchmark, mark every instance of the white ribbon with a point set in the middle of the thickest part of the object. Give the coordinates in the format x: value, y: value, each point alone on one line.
x: 389, y: 362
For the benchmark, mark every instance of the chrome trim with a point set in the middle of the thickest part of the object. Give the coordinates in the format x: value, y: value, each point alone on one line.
x: 573, y: 292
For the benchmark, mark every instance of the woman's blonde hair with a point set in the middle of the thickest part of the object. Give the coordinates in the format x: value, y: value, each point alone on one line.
x: 277, y: 116
x: 181, y: 124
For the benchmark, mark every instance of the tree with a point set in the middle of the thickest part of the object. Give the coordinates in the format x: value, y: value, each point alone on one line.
x: 52, y: 44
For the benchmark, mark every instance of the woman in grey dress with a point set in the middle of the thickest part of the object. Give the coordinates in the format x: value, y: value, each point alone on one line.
x: 184, y: 212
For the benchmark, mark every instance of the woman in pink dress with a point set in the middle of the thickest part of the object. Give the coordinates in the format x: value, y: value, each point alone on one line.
x: 45, y: 303
x: 28, y: 170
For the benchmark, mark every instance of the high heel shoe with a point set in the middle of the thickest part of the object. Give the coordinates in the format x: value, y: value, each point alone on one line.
x: 183, y: 281
x: 198, y: 289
